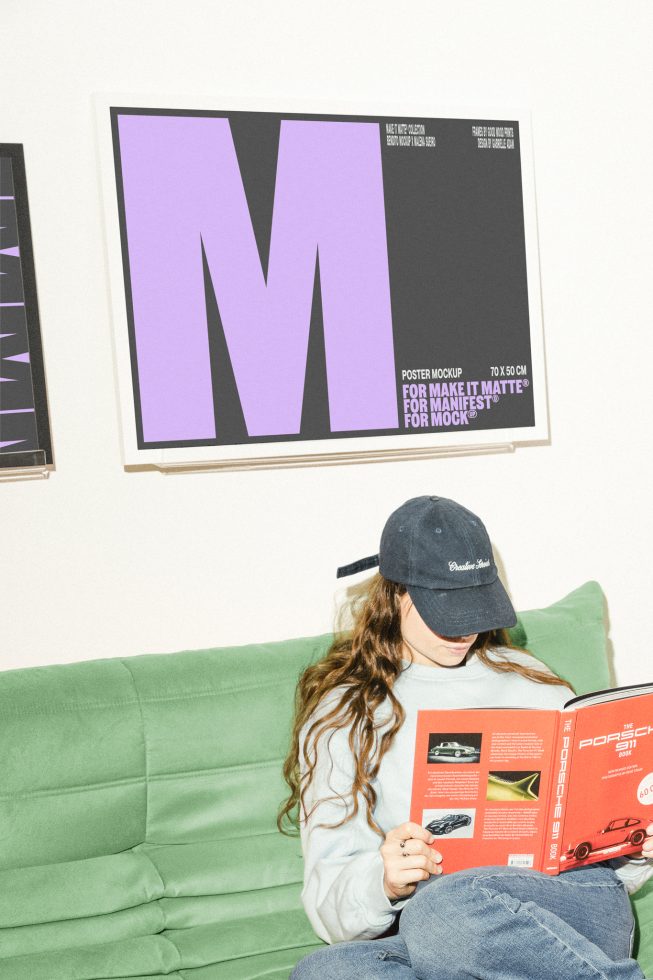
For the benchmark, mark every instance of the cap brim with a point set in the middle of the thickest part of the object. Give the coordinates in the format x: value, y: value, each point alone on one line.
x: 459, y: 612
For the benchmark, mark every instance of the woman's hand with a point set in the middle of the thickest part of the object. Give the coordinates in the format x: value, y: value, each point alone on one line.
x: 407, y: 859
x: 647, y: 846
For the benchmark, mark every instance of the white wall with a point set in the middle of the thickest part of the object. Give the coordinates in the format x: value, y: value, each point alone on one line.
x: 96, y: 562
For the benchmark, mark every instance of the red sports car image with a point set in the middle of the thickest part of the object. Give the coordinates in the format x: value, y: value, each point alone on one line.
x: 624, y: 830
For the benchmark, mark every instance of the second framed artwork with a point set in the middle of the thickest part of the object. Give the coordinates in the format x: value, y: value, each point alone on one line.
x: 305, y: 286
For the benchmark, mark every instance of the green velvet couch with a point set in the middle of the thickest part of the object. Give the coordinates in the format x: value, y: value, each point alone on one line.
x: 138, y: 805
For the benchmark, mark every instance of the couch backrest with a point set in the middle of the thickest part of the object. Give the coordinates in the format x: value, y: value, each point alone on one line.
x: 100, y: 756
x: 97, y: 757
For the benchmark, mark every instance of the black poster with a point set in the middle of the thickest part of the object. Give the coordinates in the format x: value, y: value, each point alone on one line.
x: 300, y: 283
x: 24, y: 424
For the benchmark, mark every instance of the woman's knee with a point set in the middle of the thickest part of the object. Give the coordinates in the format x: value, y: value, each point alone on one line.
x: 444, y: 925
x: 438, y: 896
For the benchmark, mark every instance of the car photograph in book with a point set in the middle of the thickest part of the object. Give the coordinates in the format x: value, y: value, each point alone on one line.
x: 550, y: 790
x: 302, y: 278
x: 447, y: 747
x: 457, y: 824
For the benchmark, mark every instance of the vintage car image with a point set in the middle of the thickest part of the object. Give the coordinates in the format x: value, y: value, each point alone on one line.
x: 513, y: 787
x: 452, y: 823
x: 629, y: 831
x: 454, y: 747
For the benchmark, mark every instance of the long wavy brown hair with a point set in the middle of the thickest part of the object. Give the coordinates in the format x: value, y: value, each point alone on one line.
x: 361, y: 668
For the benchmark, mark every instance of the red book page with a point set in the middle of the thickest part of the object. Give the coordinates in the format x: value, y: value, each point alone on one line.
x: 610, y: 792
x: 480, y: 783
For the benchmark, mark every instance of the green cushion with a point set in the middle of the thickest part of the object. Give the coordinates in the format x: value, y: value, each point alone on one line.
x: 570, y: 637
x: 138, y: 806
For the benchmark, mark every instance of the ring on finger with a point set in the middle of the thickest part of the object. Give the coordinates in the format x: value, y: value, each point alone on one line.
x: 402, y: 843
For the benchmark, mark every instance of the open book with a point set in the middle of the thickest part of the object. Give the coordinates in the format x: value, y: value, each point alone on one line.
x: 531, y: 788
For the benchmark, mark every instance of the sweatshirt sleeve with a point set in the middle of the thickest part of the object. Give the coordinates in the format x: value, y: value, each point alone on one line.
x: 633, y: 871
x: 343, y: 892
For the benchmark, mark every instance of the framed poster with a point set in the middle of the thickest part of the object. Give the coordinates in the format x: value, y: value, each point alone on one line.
x: 295, y: 285
x: 25, y: 442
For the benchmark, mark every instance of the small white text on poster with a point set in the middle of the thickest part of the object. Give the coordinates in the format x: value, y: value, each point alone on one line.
x: 410, y: 134
x: 494, y: 137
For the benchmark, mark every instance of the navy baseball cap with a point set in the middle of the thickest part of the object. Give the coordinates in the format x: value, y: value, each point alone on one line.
x: 442, y: 553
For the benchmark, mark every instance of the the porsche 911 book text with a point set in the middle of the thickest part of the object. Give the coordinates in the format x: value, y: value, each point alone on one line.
x: 548, y: 790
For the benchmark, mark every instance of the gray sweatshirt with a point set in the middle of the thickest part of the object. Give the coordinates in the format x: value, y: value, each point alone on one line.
x: 343, y: 870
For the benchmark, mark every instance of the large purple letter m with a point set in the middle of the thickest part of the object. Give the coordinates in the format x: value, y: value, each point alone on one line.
x: 183, y: 189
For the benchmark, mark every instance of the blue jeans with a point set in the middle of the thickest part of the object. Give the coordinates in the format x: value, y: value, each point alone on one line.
x: 497, y: 924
